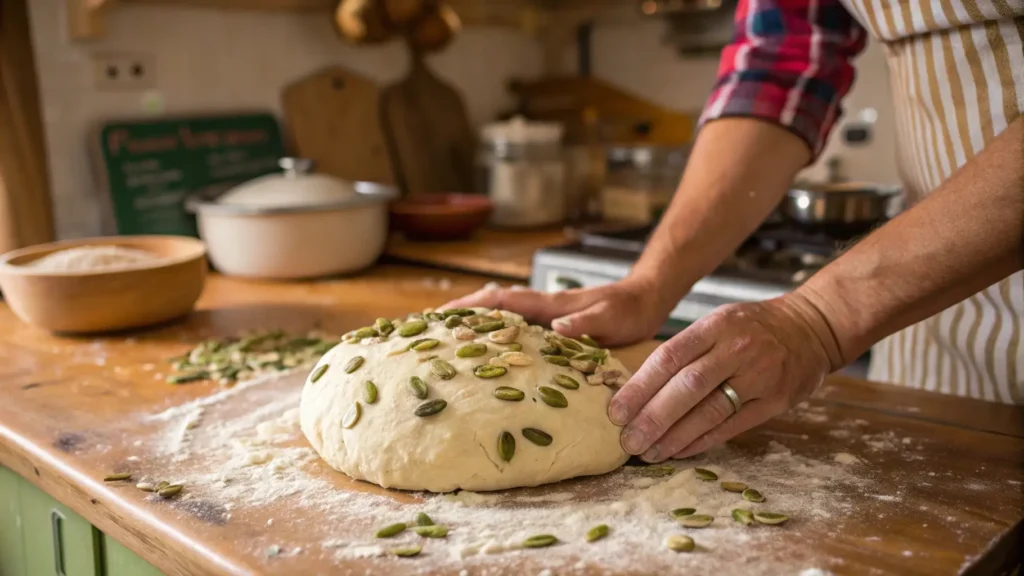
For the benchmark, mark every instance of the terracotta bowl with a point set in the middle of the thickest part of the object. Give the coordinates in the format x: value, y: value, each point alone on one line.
x: 78, y: 302
x: 440, y: 216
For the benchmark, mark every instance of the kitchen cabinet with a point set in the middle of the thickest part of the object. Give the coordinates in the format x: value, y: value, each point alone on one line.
x: 120, y: 561
x: 12, y: 553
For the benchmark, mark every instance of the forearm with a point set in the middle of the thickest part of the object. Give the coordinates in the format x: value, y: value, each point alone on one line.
x: 737, y: 173
x: 965, y: 236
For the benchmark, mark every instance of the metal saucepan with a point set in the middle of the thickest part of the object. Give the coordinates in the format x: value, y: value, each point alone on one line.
x: 847, y: 204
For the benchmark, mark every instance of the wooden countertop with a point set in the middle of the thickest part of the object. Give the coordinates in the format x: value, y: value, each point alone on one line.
x: 76, y: 409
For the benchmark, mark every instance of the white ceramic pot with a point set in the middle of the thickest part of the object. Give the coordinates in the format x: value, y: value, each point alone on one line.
x: 294, y: 225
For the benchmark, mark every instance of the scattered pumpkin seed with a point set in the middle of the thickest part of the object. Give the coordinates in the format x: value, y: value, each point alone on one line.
x: 412, y: 328
x: 407, y: 552
x: 584, y: 366
x: 432, y: 317
x: 442, y: 369
x: 117, y: 477
x: 595, y: 379
x: 514, y: 347
x: 752, y: 495
x: 161, y: 485
x: 354, y: 364
x: 489, y: 371
x: 430, y: 407
x: 680, y: 512
x: 589, y: 341
x: 351, y: 417
x: 504, y: 335
x: 169, y: 491
x: 657, y: 471
x: 680, y: 543
x: 384, y: 326
x: 508, y: 393
x: 566, y: 382
x: 146, y: 487
x: 745, y: 517
x: 471, y: 350
x: 188, y: 377
x: 506, y: 446
x: 424, y: 344
x: 365, y: 332
x: 431, y: 531
x: 596, y: 533
x: 370, y: 392
x: 556, y: 359
x: 391, y: 530
x: 705, y: 474
x: 538, y: 437
x: 550, y: 350
x: 770, y: 518
x: 552, y: 397
x: 453, y: 322
x: 418, y: 387
x: 498, y: 361
x: 733, y: 486
x: 695, y: 520
x: 516, y: 358
x: 473, y: 321
x: 421, y: 517
x: 489, y: 326
x: 318, y: 373
x: 463, y: 333
x: 457, y: 312
x: 539, y: 541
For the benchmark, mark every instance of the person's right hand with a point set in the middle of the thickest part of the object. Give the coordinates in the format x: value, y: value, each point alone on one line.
x: 617, y: 314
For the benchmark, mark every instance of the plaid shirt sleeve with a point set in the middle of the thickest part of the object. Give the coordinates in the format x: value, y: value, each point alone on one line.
x: 789, y: 63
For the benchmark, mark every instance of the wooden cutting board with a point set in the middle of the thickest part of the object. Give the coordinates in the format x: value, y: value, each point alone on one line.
x: 431, y: 141
x: 334, y: 119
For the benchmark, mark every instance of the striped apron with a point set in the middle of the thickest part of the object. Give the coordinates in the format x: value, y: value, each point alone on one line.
x: 956, y: 68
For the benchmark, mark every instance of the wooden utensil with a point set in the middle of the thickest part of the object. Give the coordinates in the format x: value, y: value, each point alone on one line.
x: 361, y: 21
x: 334, y: 120
x: 429, y: 135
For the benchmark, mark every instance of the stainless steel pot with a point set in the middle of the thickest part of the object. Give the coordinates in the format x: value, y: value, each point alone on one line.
x: 847, y: 204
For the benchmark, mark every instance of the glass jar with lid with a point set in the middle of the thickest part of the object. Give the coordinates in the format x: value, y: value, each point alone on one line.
x: 640, y: 181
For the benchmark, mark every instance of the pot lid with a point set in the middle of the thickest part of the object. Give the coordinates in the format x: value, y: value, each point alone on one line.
x: 295, y: 186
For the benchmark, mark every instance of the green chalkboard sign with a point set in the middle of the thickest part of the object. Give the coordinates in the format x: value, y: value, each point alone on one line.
x: 151, y: 166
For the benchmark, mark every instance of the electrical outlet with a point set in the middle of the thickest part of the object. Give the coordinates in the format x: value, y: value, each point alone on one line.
x: 123, y: 72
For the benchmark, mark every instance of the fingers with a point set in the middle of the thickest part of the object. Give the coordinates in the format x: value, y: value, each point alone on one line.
x: 596, y: 322
x: 664, y: 364
x: 673, y: 401
x: 537, y: 306
x: 754, y: 413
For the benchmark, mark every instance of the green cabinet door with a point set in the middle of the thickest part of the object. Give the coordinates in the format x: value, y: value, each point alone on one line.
x: 57, y: 541
x: 12, y: 551
x: 120, y: 561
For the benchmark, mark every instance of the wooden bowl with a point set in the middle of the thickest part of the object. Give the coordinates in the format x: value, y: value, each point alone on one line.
x: 440, y: 216
x: 78, y: 302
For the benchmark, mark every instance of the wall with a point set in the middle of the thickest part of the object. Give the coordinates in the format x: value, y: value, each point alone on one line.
x: 208, y: 60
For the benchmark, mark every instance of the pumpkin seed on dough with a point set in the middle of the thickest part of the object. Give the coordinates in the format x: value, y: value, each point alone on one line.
x: 318, y: 373
x: 351, y: 417
x: 506, y: 446
x: 463, y: 333
x: 596, y: 533
x: 705, y: 474
x: 680, y: 543
x: 497, y: 361
x: 489, y: 371
x: 432, y: 531
x: 489, y: 326
x: 549, y: 351
x: 457, y: 312
x: 508, y: 394
x: 752, y: 495
x: 680, y: 512
x: 745, y: 517
x: 514, y: 347
x: 695, y: 520
x: 589, y: 341
x: 770, y: 518
x: 504, y: 335
x: 412, y: 328
x: 384, y: 326
x: 354, y: 364
x: 370, y: 394
x: 473, y: 350
x: 584, y: 366
x: 117, y: 477
x: 552, y: 397
x: 733, y: 486
x: 452, y: 322
x: 516, y: 358
x: 365, y: 332
x: 556, y: 359
x: 539, y: 541
x: 566, y: 382
x: 424, y: 344
x: 442, y: 369
x: 418, y: 387
x: 421, y: 517
x: 391, y: 530
x: 432, y: 317
x: 407, y: 552
x: 538, y: 437
x: 430, y: 407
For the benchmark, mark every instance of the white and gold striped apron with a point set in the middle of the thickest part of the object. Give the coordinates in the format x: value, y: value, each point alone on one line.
x: 956, y: 68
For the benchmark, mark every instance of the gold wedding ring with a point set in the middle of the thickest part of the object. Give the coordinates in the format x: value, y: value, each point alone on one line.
x: 732, y: 396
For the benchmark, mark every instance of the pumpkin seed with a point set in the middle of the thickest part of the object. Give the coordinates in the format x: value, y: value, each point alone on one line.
x: 745, y: 517
x: 442, y: 369
x: 432, y: 317
x: 421, y: 517
x: 371, y: 392
x: 733, y: 486
x: 365, y: 332
x: 146, y: 487
x: 550, y: 350
x: 595, y: 379
x: 424, y: 344
x: 407, y: 552
x: 412, y: 328
x: 188, y: 377
x: 489, y: 326
x: 489, y: 371
x: 596, y: 533
x: 505, y: 335
x: 514, y: 347
x: 391, y: 530
x: 384, y: 326
x: 506, y: 446
x: 471, y: 350
x: 419, y: 387
x: 499, y: 362
x: 509, y: 394
x: 476, y: 320
x: 352, y: 416
x: 552, y: 397
x: 169, y: 491
x: 659, y: 471
x: 538, y: 437
x: 452, y: 322
x: 566, y: 382
x: 680, y: 543
x: 427, y: 358
x: 695, y: 520
x: 556, y: 359
x: 161, y: 485
x: 431, y: 531
x: 117, y: 477
x: 705, y: 474
x: 318, y: 373
x: 463, y: 333
x: 589, y: 341
x: 752, y: 495
x: 457, y: 312
x: 539, y: 541
x: 516, y: 358
x: 585, y: 366
x: 770, y: 518
x: 680, y: 512
x: 430, y: 407
x: 354, y: 364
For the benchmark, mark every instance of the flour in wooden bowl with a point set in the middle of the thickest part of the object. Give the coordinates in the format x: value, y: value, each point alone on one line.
x: 93, y: 259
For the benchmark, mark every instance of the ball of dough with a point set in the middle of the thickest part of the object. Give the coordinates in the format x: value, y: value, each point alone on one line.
x: 382, y: 439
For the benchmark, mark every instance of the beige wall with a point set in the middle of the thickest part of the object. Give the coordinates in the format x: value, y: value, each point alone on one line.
x: 208, y: 60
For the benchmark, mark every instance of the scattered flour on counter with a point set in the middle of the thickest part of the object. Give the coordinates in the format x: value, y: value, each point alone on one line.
x: 845, y: 458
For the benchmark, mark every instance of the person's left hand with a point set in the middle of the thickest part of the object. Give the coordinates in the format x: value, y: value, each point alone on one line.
x: 773, y: 354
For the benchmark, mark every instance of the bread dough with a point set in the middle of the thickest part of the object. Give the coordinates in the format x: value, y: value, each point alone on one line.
x: 458, y: 448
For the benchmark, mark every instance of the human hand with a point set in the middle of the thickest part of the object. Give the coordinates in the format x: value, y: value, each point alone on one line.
x: 616, y: 314
x: 772, y: 353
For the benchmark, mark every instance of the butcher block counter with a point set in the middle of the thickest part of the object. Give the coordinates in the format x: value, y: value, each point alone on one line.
x: 875, y: 479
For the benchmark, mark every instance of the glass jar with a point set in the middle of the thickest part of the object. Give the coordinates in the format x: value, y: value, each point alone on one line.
x: 640, y: 182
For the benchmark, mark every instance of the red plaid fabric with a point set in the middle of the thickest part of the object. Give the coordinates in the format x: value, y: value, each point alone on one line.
x: 789, y: 63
